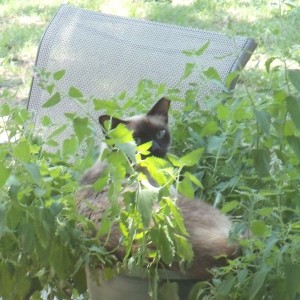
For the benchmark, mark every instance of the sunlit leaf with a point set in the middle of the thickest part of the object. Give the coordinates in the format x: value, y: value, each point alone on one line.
x: 59, y: 74
x: 212, y: 73
x: 69, y: 146
x: 81, y: 128
x: 193, y: 157
x: 230, y: 206
x: 146, y: 198
x: 53, y: 100
x: 75, y: 92
x: 22, y: 151
x: 258, y: 227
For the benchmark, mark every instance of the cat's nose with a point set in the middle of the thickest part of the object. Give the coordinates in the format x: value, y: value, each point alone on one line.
x: 157, y: 150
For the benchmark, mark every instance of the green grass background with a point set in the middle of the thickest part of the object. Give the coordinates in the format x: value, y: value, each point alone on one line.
x: 274, y: 24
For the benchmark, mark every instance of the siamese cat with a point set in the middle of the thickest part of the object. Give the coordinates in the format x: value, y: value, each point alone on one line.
x: 208, y: 229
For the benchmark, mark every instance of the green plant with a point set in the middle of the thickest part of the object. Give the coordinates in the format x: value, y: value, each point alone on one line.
x: 247, y: 164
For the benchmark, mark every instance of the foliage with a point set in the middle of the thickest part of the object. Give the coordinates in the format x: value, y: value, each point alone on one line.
x: 246, y: 161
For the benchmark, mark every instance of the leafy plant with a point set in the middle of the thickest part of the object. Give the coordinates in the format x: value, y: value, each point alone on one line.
x: 242, y: 155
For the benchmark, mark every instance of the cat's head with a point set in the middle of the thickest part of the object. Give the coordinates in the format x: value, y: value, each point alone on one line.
x: 152, y: 126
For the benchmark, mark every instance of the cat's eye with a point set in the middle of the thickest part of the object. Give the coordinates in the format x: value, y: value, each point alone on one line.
x: 160, y: 134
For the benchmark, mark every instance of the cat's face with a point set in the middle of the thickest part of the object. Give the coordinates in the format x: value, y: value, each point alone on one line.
x: 150, y: 127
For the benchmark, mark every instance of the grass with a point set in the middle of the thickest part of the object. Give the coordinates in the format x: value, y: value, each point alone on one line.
x: 273, y: 24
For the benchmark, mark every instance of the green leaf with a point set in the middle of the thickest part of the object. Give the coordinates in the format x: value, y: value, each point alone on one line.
x: 104, y: 227
x: 215, y: 144
x: 27, y: 237
x: 262, y: 160
x: 269, y: 62
x: 50, y: 88
x: 223, y: 112
x: 176, y: 161
x: 178, y: 219
x: 295, y: 144
x: 210, y: 128
x: 212, y: 73
x: 230, y: 206
x: 101, y: 182
x: 144, y: 148
x: 192, y: 158
x: 69, y: 146
x: 4, y: 173
x: 184, y: 248
x: 227, y: 284
x: 198, y: 52
x: 121, y: 134
x: 81, y: 128
x: 155, y: 165
x: 193, y: 179
x: 146, y: 198
x: 292, y: 273
x: 231, y: 79
x: 163, y: 242
x: 75, y: 93
x: 3, y: 211
x: 57, y: 132
x: 106, y: 105
x: 186, y: 188
x: 294, y: 76
x: 258, y: 281
x: 293, y: 107
x: 53, y: 100
x: 34, y: 172
x: 264, y: 120
x: 59, y: 74
x: 258, y: 227
x: 46, y: 121
x: 22, y: 151
x: 189, y: 68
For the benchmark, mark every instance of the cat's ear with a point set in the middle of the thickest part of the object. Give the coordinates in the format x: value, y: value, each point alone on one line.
x: 114, y: 121
x: 161, y: 108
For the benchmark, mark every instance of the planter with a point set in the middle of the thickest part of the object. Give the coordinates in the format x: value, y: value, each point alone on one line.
x: 133, y: 287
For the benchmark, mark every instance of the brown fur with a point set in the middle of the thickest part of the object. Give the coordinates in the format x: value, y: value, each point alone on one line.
x: 208, y: 229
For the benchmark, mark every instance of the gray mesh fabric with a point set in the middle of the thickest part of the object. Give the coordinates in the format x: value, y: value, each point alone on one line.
x: 104, y: 55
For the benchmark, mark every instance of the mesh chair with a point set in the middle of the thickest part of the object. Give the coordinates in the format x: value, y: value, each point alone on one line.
x: 104, y: 55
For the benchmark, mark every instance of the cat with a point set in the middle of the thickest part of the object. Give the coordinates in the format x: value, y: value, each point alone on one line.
x: 208, y: 229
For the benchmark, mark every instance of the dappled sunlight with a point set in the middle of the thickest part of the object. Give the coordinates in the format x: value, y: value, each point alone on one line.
x: 117, y: 7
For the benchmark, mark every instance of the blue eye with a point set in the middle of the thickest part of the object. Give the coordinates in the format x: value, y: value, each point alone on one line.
x: 160, y: 134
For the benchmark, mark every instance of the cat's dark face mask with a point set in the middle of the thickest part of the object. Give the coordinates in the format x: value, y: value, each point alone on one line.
x: 150, y: 127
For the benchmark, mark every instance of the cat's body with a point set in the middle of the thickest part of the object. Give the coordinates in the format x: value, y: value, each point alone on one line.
x: 208, y: 229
